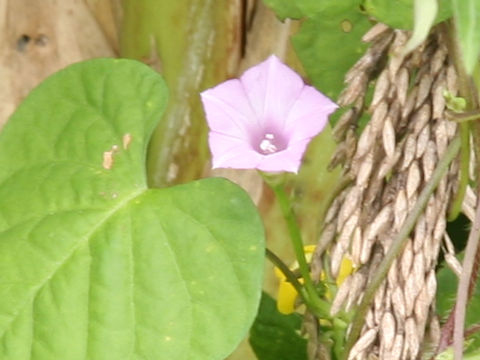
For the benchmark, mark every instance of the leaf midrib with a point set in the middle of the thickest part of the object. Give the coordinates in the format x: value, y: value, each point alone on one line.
x: 120, y: 205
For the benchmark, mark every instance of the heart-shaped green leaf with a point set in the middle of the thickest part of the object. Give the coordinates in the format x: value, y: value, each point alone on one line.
x: 400, y: 13
x: 93, y: 264
x: 317, y: 44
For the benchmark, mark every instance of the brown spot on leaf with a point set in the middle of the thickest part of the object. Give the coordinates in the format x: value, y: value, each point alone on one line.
x: 108, y: 157
x: 126, y: 140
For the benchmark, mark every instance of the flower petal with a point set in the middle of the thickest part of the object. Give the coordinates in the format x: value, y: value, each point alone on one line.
x: 309, y: 114
x: 229, y: 152
x: 228, y: 110
x: 265, y: 120
x: 287, y: 160
x: 286, y: 298
x: 272, y: 88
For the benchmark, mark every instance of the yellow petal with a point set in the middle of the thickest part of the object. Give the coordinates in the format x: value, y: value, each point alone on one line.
x: 278, y: 273
x: 286, y: 297
x: 309, y: 249
x: 346, y: 268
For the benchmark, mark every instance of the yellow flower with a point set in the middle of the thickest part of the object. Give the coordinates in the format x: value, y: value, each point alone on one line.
x: 287, y: 295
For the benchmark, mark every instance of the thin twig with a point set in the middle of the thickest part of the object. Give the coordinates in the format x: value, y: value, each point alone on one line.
x: 464, y: 282
x: 398, y: 243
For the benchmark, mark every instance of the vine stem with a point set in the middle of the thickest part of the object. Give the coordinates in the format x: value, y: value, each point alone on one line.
x: 317, y: 305
x: 289, y: 275
x: 463, y: 284
x: 456, y: 205
x: 292, y: 279
x: 398, y: 243
x: 468, y: 87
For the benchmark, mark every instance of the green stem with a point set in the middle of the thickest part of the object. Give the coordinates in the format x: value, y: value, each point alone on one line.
x: 319, y: 306
x: 456, y: 205
x: 289, y: 275
x: 462, y: 117
x: 398, y: 243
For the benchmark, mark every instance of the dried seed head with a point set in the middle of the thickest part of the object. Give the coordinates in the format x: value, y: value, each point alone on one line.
x: 388, y: 137
x: 392, y: 275
x: 347, y: 230
x: 423, y: 89
x: 336, y: 259
x: 355, y: 89
x: 381, y: 222
x: 398, y: 305
x: 343, y: 123
x: 441, y: 137
x: 366, y: 250
x: 396, y: 59
x: 365, y: 142
x: 365, y: 170
x: 409, y: 151
x: 414, y: 178
x: 429, y: 160
x: 350, y: 204
x: 332, y: 212
x: 387, y: 165
x: 400, y: 209
x: 387, y: 330
x: 369, y: 320
x: 410, y: 103
x: 341, y: 296
x: 440, y: 225
x: 421, y: 117
x: 412, y: 345
x: 406, y: 260
x: 356, y: 246
x: 396, y: 352
x: 418, y: 272
x: 438, y: 98
x: 438, y: 60
x: 422, y: 304
x: 378, y: 303
x: 431, y: 284
x: 381, y: 89
x: 357, y: 285
x: 391, y: 162
x: 328, y: 234
x: 452, y: 83
x: 375, y: 32
x: 401, y: 82
x: 339, y: 157
x: 374, y: 190
x: 420, y: 234
x: 410, y: 292
x: 363, y: 343
x: 378, y: 117
x: 422, y: 141
x: 434, y: 330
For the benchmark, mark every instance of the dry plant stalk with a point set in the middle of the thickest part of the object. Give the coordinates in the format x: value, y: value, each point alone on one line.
x: 389, y: 164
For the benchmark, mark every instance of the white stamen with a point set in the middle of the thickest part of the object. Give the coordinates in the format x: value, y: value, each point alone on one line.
x: 267, y: 146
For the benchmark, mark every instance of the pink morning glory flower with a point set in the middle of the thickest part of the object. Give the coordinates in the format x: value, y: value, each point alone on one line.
x: 265, y: 119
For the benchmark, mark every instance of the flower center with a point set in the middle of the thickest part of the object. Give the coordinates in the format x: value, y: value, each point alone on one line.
x: 270, y: 143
